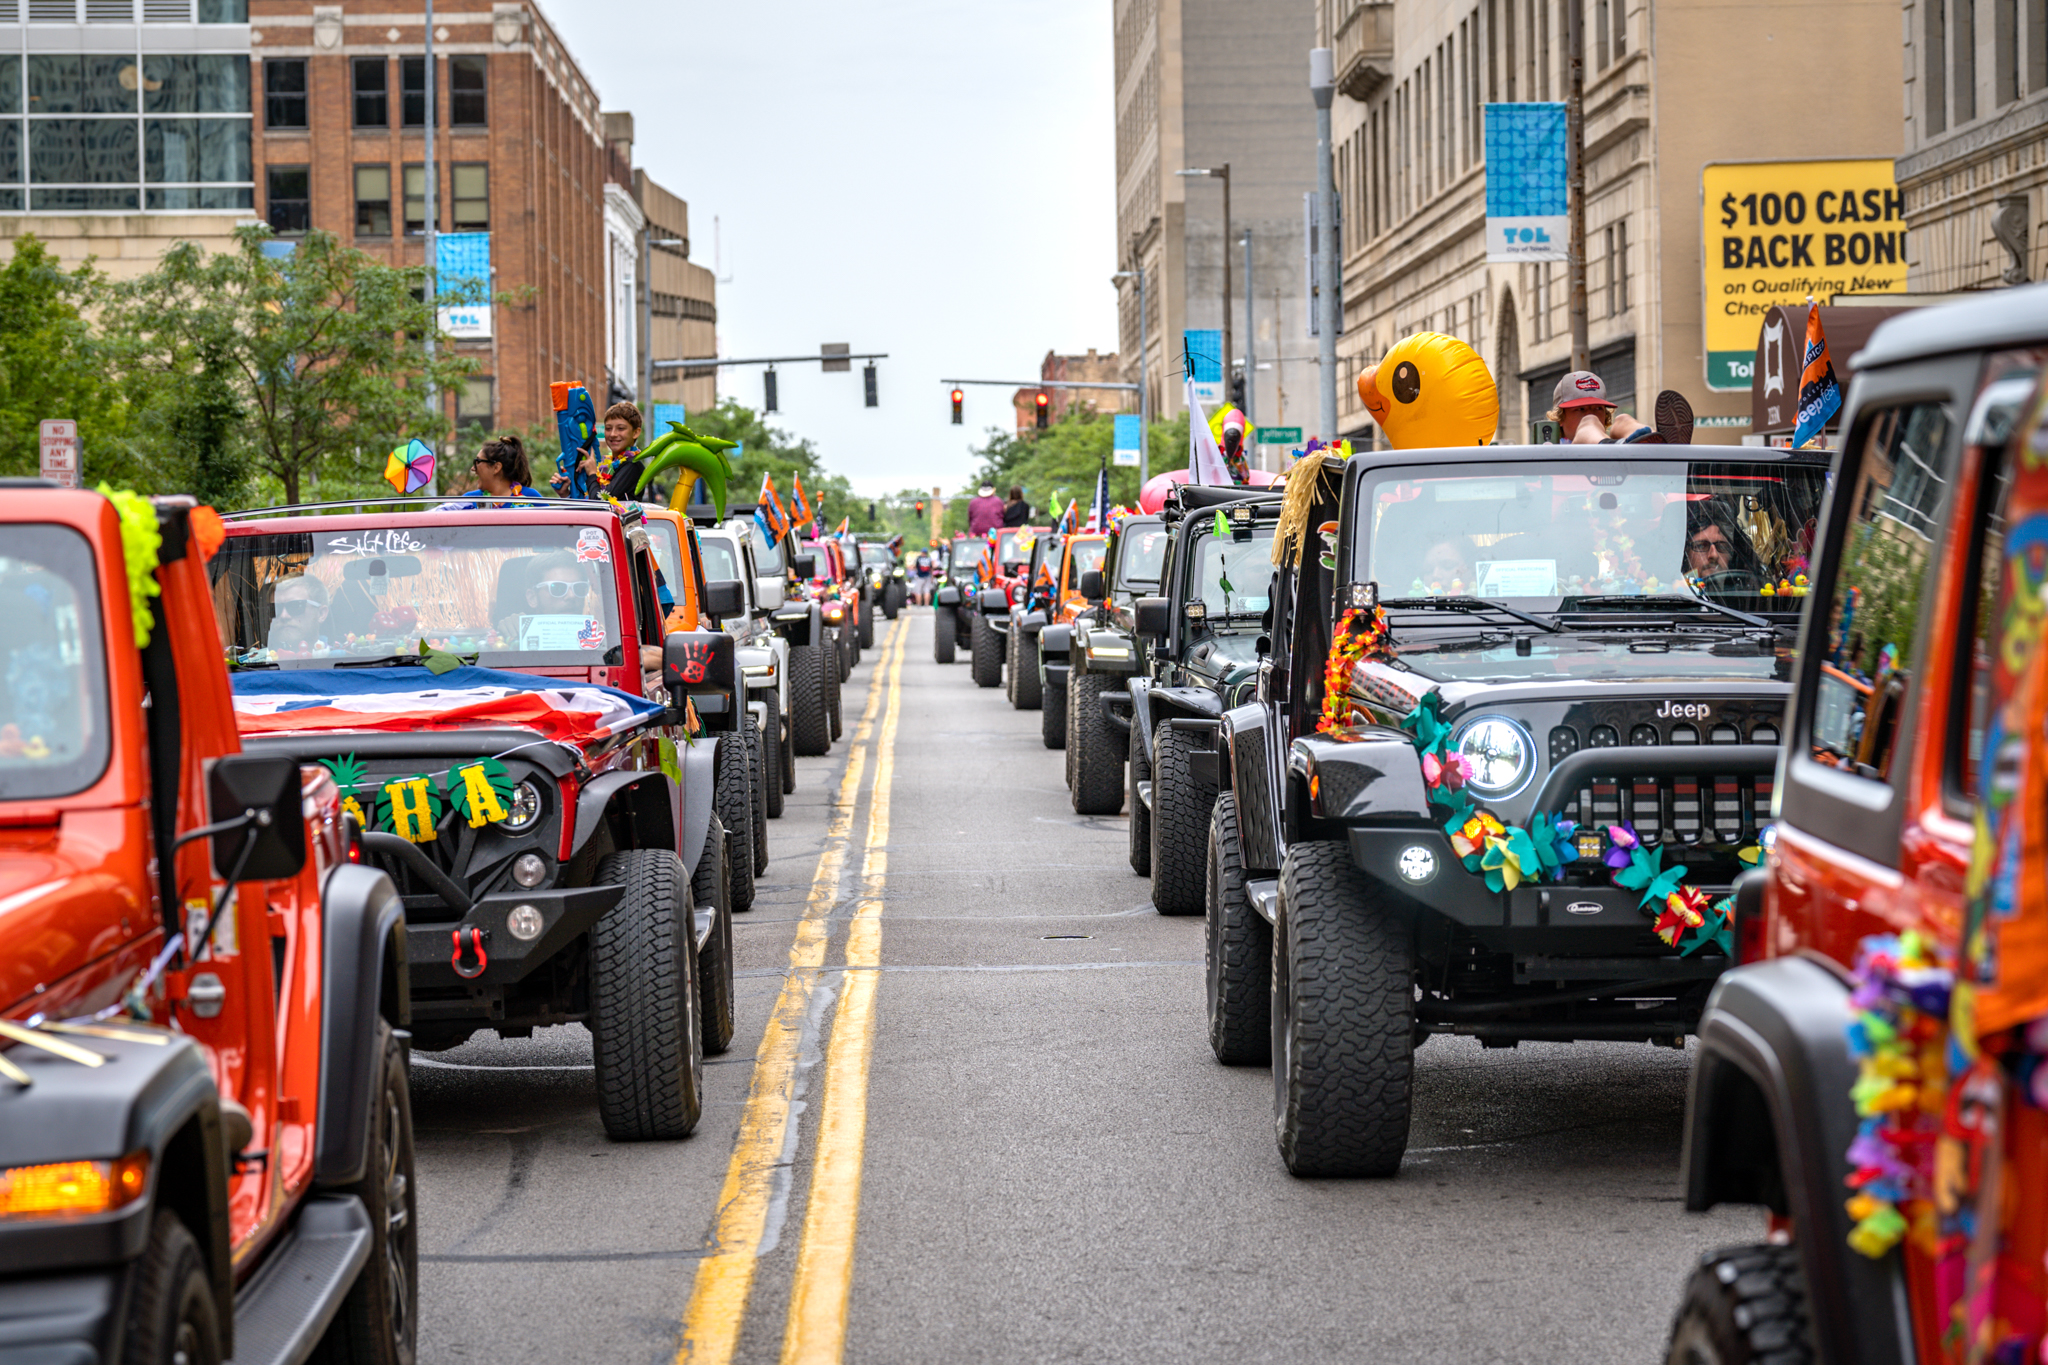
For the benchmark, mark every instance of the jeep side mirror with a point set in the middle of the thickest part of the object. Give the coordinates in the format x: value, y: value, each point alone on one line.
x: 697, y: 666
x: 725, y: 597
x: 259, y: 794
x: 804, y: 566
x: 768, y: 591
x: 1150, y: 616
x: 1091, y: 585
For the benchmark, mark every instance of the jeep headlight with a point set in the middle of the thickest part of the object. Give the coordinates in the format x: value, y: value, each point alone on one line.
x: 525, y: 807
x: 1501, y: 754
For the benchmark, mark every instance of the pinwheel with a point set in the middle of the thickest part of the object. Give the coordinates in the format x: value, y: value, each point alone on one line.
x: 698, y: 457
x: 410, y: 467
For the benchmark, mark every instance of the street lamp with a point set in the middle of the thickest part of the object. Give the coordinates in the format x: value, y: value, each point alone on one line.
x: 1222, y: 173
x: 1322, y: 85
x: 1137, y: 272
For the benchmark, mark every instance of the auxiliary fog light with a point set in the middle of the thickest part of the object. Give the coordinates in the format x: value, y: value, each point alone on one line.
x: 529, y: 870
x: 525, y: 807
x: 1417, y: 864
x: 524, y: 923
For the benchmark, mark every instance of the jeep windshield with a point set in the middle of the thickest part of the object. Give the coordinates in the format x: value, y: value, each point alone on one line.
x: 1141, y: 556
x: 721, y: 558
x: 1233, y: 579
x: 514, y: 595
x: 1013, y: 546
x: 965, y: 558
x: 767, y: 553
x: 1083, y: 556
x: 53, y: 671
x: 1587, y: 536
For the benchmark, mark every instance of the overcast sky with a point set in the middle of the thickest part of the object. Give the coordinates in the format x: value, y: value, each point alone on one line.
x: 934, y: 179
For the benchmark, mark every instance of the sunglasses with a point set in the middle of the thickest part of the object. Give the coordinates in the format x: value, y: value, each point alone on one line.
x: 298, y: 606
x: 557, y: 589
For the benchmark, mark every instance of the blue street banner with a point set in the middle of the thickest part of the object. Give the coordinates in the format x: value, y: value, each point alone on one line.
x: 1205, y: 353
x: 1124, y: 448
x: 1526, y: 214
x: 659, y: 415
x: 464, y: 258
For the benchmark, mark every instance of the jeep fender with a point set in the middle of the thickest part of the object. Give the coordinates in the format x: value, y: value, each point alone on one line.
x: 363, y: 978
x: 1374, y: 775
x: 798, y: 623
x: 1055, y: 642
x: 638, y: 804
x: 1245, y: 741
x: 1768, y: 1121
x: 1140, y: 689
x: 992, y: 600
x: 1031, y: 622
x: 948, y: 596
x: 1184, y: 703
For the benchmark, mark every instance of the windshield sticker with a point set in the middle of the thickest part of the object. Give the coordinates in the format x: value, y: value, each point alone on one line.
x: 593, y: 545
x: 551, y: 633
x: 374, y: 543
x: 1517, y: 578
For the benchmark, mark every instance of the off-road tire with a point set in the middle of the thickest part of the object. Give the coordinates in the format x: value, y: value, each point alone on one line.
x: 892, y: 598
x: 734, y: 801
x: 1744, y: 1306
x: 171, y: 1309
x: 810, y: 704
x: 944, y: 632
x: 1052, y: 715
x: 867, y: 622
x: 1180, y: 824
x: 643, y: 1001
x: 1137, y: 769
x: 788, y: 756
x: 834, y: 681
x: 757, y: 786
x: 1027, y: 688
x: 1098, y: 785
x: 987, y: 652
x: 849, y: 652
x: 1010, y: 653
x: 1239, y: 951
x: 378, y: 1323
x: 772, y: 766
x: 708, y: 887
x: 1343, y: 1018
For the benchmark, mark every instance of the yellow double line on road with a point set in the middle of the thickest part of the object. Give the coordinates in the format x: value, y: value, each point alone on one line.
x: 816, y: 1328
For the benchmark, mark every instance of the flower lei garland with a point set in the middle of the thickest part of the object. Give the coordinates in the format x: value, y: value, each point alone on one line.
x: 1901, y: 1040
x: 141, y: 543
x: 1361, y: 634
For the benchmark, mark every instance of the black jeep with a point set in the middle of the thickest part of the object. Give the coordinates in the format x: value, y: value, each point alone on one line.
x: 1545, y: 763
x: 1103, y: 655
x: 1023, y: 683
x: 952, y: 617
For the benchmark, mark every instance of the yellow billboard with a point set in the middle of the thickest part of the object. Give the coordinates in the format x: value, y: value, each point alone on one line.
x: 1779, y: 231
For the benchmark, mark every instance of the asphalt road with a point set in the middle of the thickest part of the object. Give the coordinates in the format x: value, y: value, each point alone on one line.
x: 971, y: 1115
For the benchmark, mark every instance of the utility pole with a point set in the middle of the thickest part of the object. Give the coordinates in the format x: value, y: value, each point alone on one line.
x: 433, y: 218
x: 1322, y: 84
x: 1251, y: 338
x: 1575, y: 179
x: 1222, y: 173
x: 1137, y: 272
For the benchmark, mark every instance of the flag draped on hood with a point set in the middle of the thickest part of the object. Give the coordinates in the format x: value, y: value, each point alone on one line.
x: 414, y: 699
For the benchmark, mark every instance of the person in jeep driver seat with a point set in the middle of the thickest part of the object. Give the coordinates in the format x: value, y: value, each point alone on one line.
x: 1715, y: 546
x: 300, y: 613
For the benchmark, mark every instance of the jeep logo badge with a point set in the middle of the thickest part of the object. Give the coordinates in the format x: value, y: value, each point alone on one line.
x: 1583, y: 908
x: 1678, y: 710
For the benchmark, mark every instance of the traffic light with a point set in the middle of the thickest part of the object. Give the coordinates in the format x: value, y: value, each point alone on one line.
x: 920, y: 506
x: 1044, y: 407
x: 768, y: 396
x: 867, y: 379
x: 958, y: 398
x: 872, y: 518
x: 1237, y: 390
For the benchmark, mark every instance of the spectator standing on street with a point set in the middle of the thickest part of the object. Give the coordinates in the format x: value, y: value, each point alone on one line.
x: 984, y: 511
x: 1016, y: 511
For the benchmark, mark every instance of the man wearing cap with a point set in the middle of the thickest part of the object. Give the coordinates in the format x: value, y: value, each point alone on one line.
x: 984, y: 511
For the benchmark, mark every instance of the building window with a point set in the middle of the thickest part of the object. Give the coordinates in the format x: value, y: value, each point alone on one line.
x: 473, y: 407
x: 1965, y: 51
x: 373, y: 201
x: 284, y: 92
x: 288, y: 199
x: 412, y: 86
x: 223, y: 11
x: 466, y: 105
x: 372, y: 92
x: 416, y: 201
x: 1934, y: 78
x: 472, y: 186
x: 1620, y: 28
x: 1617, y: 269
x: 102, y: 164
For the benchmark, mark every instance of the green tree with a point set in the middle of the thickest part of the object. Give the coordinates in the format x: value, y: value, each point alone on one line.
x: 770, y: 451
x: 1060, y: 463
x: 53, y: 365
x: 317, y: 352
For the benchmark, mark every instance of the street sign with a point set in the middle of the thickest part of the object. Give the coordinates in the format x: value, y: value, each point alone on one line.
x: 1525, y: 183
x: 1127, y: 441
x: 1779, y: 232
x: 59, y: 439
x: 1276, y: 436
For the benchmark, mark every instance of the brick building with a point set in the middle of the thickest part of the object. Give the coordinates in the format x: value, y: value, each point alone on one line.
x: 520, y: 156
x: 1080, y: 369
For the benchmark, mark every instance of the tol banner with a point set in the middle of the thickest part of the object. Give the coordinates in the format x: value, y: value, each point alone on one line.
x: 1128, y: 440
x: 463, y: 259
x: 1205, y: 355
x: 1777, y: 232
x: 1526, y: 214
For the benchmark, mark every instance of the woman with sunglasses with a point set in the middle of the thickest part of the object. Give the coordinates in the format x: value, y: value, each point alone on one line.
x: 502, y: 476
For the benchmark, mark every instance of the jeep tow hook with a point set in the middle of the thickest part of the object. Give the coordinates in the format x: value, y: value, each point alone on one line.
x: 476, y: 942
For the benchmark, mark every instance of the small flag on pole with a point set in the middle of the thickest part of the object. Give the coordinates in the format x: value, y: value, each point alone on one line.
x: 800, y: 504
x: 776, y: 520
x: 1820, y: 395
x: 1205, y: 461
x: 1098, y: 515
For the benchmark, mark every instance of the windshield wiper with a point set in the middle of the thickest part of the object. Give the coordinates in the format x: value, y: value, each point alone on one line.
x: 1668, y: 601
x: 394, y: 661
x: 1469, y: 604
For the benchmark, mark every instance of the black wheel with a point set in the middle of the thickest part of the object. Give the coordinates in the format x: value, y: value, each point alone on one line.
x: 734, y: 802
x: 1239, y: 952
x: 1137, y: 770
x: 833, y: 680
x: 1343, y: 1015
x: 1180, y: 824
x: 849, y: 654
x: 892, y: 598
x: 987, y: 652
x: 378, y: 1323
x: 1744, y: 1306
x: 757, y: 787
x: 788, y: 755
x: 1010, y: 653
x: 711, y: 914
x: 1093, y: 741
x: 643, y: 1001
x: 772, y: 759
x: 867, y: 620
x: 1027, y: 688
x: 810, y: 715
x: 171, y: 1311
x: 943, y: 633
x: 1052, y: 715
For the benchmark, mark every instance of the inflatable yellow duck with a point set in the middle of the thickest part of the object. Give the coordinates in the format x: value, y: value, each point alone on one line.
x: 1431, y: 390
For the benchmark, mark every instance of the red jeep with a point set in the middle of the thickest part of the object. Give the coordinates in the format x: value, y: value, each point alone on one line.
x: 205, y: 1130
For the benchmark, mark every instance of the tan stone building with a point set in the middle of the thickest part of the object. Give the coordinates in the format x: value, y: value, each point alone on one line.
x: 682, y: 301
x: 1975, y: 168
x: 1670, y: 87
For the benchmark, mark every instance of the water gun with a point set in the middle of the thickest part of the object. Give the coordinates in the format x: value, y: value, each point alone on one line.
x: 695, y: 457
x: 576, y: 428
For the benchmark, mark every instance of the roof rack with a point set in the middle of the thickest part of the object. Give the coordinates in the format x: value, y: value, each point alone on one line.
x: 429, y: 504
x: 1193, y: 495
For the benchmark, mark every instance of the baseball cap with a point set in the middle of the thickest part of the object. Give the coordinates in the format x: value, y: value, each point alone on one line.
x: 988, y: 490
x: 1580, y: 389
